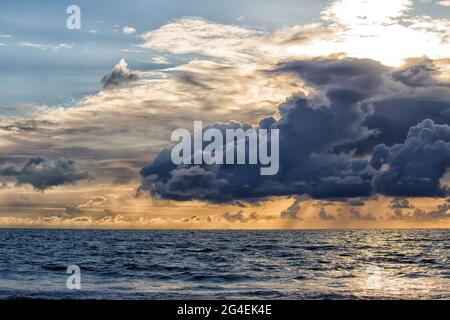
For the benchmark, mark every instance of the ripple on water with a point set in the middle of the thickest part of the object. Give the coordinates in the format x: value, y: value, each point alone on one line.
x: 226, y: 264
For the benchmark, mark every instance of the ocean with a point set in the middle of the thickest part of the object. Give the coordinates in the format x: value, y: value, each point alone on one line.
x: 151, y: 264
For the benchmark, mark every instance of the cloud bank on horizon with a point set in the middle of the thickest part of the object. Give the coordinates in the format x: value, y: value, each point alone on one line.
x: 362, y: 96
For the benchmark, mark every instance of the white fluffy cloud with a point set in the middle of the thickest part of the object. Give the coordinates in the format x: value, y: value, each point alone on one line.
x: 199, y: 36
x: 128, y: 30
x: 381, y: 30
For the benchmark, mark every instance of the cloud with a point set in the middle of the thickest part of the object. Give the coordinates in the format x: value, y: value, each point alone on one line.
x: 355, y: 202
x: 400, y: 203
x: 128, y: 30
x: 351, y: 27
x: 116, y: 130
x: 42, y: 46
x: 42, y: 173
x: 234, y: 217
x: 315, y: 169
x: 444, y: 3
x: 397, y: 98
x: 357, y: 215
x: 419, y: 215
x: 292, y: 211
x: 72, y: 212
x: 359, y: 28
x: 241, y: 217
x: 415, y: 167
x: 95, y: 201
x: 323, y: 215
x: 194, y: 35
x: 119, y: 76
x: 355, y: 13
x: 160, y: 60
x: 420, y: 72
x: 326, y: 164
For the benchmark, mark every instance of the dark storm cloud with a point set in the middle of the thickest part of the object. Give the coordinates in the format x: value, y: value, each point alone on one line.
x: 419, y: 73
x: 326, y: 142
x: 392, y: 118
x: 399, y: 100
x: 313, y: 169
x: 42, y: 173
x: 119, y: 76
x: 416, y: 166
x: 362, y: 77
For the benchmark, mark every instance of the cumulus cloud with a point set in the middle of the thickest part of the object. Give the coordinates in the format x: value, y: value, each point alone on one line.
x: 415, y: 167
x: 292, y: 211
x: 323, y: 215
x: 396, y: 103
x: 420, y: 72
x: 119, y: 76
x: 74, y: 213
x: 326, y: 163
x: 355, y: 214
x: 315, y: 169
x: 241, y: 217
x: 420, y: 215
x: 234, y: 217
x: 128, y: 30
x: 42, y: 173
x: 400, y: 203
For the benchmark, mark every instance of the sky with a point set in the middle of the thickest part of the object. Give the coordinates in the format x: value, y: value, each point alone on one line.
x: 359, y: 89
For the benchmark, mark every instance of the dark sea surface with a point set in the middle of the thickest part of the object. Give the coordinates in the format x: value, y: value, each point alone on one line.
x: 328, y: 264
